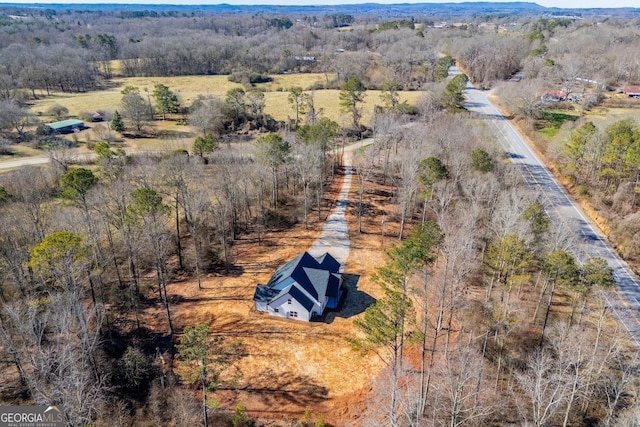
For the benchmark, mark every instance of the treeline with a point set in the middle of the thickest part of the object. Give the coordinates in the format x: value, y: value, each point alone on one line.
x: 486, y: 316
x: 555, y: 54
x: 86, y: 251
x: 399, y: 50
x: 205, y: 44
x: 485, y: 309
x: 602, y: 164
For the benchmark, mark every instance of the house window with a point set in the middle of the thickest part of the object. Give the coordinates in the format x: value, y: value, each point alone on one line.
x: 289, y: 300
x: 293, y: 314
x: 276, y: 310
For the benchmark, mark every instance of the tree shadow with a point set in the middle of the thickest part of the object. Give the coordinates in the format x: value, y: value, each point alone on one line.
x: 7, y: 152
x: 511, y: 155
x: 276, y: 390
x: 352, y: 302
x: 179, y: 299
x: 172, y: 134
x: 222, y: 270
x: 151, y: 343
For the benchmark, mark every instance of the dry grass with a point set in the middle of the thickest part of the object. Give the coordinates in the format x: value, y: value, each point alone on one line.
x: 278, y: 106
x: 20, y: 151
x: 288, y: 366
x: 188, y: 88
x: 172, y: 134
x: 283, y: 82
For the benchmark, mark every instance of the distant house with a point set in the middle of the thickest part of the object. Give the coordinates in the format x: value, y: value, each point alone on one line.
x: 66, y: 126
x: 632, y: 91
x: 302, y: 288
x: 554, y: 96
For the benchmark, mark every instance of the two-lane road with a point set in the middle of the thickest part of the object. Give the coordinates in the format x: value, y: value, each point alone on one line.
x: 564, y: 212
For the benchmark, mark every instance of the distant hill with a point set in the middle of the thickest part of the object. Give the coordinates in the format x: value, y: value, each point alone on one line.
x: 433, y: 10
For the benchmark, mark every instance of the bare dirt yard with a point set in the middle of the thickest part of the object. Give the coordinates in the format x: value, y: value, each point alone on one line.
x: 287, y: 367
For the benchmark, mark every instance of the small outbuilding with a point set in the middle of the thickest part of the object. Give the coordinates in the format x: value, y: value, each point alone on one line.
x: 632, y: 91
x: 554, y: 96
x: 97, y: 116
x: 302, y: 288
x: 67, y: 126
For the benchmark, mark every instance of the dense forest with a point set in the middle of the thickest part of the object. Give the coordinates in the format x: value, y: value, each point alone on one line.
x: 482, y: 316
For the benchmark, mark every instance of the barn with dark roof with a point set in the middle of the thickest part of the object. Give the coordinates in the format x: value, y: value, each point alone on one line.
x: 302, y: 288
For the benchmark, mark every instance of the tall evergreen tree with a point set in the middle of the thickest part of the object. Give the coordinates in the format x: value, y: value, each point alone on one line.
x: 166, y: 100
x: 116, y: 122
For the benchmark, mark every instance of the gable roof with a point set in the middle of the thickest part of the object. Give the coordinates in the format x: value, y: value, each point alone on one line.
x: 302, y: 299
x: 318, y: 280
x: 66, y: 123
x: 554, y: 94
x: 328, y: 262
x: 303, y: 276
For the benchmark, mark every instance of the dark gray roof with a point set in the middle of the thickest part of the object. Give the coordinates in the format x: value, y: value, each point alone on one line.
x: 318, y: 280
x: 264, y: 293
x: 311, y: 274
x: 333, y: 286
x: 328, y: 262
x: 302, y: 299
x: 286, y: 270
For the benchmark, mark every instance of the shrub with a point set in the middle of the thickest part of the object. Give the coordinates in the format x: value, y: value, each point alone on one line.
x: 240, y: 417
x: 481, y: 161
x: 247, y: 78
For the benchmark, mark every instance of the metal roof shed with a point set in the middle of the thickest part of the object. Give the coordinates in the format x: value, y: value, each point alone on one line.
x: 66, y: 126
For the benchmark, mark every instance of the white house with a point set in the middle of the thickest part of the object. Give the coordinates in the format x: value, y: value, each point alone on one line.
x: 302, y: 288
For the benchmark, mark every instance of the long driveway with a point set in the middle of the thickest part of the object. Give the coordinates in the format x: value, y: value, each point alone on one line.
x: 625, y: 304
x: 335, y: 233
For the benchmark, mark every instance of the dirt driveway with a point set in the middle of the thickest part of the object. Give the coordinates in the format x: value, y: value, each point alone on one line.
x: 286, y: 366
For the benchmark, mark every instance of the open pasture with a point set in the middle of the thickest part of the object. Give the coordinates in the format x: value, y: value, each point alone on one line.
x: 188, y: 88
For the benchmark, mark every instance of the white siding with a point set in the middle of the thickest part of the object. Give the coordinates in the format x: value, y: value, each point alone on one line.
x: 261, y: 306
x: 285, y: 309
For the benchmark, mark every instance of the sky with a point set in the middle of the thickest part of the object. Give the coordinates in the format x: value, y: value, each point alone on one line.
x: 547, y: 3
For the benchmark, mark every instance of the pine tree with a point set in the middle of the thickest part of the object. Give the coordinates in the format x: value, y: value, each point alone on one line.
x: 166, y: 101
x: 116, y: 122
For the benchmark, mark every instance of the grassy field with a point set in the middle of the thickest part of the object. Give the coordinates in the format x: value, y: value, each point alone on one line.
x: 188, y: 88
x: 553, y: 120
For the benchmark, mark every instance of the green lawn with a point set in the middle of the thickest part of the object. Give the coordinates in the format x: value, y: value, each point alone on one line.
x: 552, y: 121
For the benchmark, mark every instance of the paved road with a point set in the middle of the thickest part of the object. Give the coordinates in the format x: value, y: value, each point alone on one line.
x: 626, y: 303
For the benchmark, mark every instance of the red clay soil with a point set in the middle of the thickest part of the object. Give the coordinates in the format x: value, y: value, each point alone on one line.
x: 288, y: 367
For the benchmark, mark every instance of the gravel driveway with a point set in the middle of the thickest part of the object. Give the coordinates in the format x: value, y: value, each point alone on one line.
x: 335, y: 234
